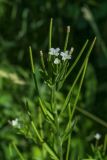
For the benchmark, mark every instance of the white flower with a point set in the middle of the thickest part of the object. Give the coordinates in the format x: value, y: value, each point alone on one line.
x: 65, y: 55
x: 15, y: 123
x: 57, y: 61
x: 54, y: 52
x: 97, y: 136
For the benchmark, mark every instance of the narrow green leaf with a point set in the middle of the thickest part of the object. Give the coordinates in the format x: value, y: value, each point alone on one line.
x: 50, y: 46
x: 31, y: 59
x: 33, y: 71
x: 71, y: 89
x: 70, y: 125
x: 18, y: 152
x: 45, y: 111
x: 45, y: 145
x: 36, y: 131
x: 69, y: 137
x: 83, y: 75
x: 75, y: 62
x: 105, y: 145
x: 67, y: 37
x: 50, y: 33
x: 68, y: 147
x: 50, y: 151
x: 36, y: 84
x: 77, y: 77
x: 77, y: 59
x: 43, y: 63
x: 79, y: 89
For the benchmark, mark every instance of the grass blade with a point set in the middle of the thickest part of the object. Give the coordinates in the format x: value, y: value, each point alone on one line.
x: 50, y: 33
x: 77, y: 59
x: 70, y: 91
x: 45, y: 145
x: 33, y: 71
x: 18, y: 152
x: 45, y: 111
x: 75, y: 62
x: 83, y: 75
x: 79, y: 89
x: 77, y: 77
x: 67, y: 37
x: 68, y: 147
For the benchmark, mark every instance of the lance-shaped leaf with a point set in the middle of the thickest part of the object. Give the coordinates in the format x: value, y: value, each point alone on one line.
x: 33, y: 71
x: 45, y: 145
x: 75, y: 63
x: 45, y: 111
x: 77, y: 77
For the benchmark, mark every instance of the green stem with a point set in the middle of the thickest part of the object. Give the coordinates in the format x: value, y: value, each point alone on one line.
x: 105, y: 145
x: 58, y: 137
x: 31, y: 60
x: 69, y: 137
x: 69, y: 94
x: 83, y: 75
x: 53, y: 89
x: 77, y: 77
x: 50, y: 37
x: 18, y: 152
x: 50, y: 33
x: 43, y: 63
x: 33, y: 71
x: 81, y: 82
x: 61, y: 151
x: 36, y: 131
x: 77, y: 59
x: 52, y: 97
x: 54, y: 110
x: 74, y: 64
x: 45, y: 145
x: 40, y: 123
x: 67, y: 37
x: 68, y: 147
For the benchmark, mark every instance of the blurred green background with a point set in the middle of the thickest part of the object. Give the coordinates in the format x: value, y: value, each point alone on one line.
x: 25, y: 23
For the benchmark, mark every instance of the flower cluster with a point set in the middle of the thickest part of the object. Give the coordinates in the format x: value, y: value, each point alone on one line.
x: 66, y: 55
